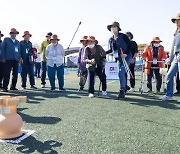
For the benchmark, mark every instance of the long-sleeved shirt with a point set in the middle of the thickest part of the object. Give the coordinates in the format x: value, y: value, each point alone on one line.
x: 54, y: 55
x: 134, y: 48
x: 96, y: 53
x: 10, y: 49
x: 122, y: 42
x: 82, y: 64
x: 175, y: 46
x: 26, y: 52
x: 44, y: 44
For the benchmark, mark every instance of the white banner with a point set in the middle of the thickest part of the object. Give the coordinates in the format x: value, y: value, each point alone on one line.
x: 74, y: 59
x: 112, y: 71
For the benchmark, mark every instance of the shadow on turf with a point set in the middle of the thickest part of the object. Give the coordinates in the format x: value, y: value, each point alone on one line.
x: 144, y: 100
x: 31, y: 145
x: 39, y: 120
x: 72, y: 93
x: 44, y: 93
x: 147, y: 103
x: 157, y: 123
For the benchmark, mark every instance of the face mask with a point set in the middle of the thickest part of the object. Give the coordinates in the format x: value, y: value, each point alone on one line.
x: 114, y: 30
x: 54, y: 44
x: 91, y: 46
x: 156, y: 44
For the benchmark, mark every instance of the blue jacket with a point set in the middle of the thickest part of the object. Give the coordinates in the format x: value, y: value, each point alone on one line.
x: 121, y: 42
x: 26, y: 51
x: 0, y: 50
x: 10, y: 49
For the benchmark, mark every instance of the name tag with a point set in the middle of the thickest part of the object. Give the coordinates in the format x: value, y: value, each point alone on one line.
x: 154, y: 60
x: 54, y: 58
x: 16, y: 49
x: 32, y: 59
x: 115, y: 54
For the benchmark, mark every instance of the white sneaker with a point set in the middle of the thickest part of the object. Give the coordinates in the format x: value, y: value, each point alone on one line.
x: 91, y: 95
x: 164, y: 98
x: 104, y: 93
x: 23, y: 88
x: 43, y: 86
x: 132, y: 90
x: 154, y: 81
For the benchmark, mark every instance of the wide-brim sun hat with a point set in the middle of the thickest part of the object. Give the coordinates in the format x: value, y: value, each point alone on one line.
x: 114, y: 24
x: 91, y: 38
x: 13, y: 31
x: 176, y: 18
x: 27, y: 33
x: 156, y: 39
x: 84, y: 38
x: 54, y: 37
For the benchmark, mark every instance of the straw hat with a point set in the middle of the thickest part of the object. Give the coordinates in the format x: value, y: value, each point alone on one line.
x: 91, y: 38
x: 13, y: 30
x: 176, y: 18
x: 26, y: 33
x: 156, y: 39
x: 54, y: 37
x: 84, y: 38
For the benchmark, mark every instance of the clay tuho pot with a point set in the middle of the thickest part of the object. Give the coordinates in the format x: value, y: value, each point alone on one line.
x: 10, y: 122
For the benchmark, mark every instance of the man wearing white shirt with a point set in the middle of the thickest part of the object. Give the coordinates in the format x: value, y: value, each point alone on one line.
x: 55, y: 58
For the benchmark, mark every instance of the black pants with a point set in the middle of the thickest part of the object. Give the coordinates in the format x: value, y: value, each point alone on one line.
x: 177, y: 83
x: 10, y: 65
x: 38, y: 69
x: 43, y: 75
x: 158, y: 78
x: 102, y: 76
x: 1, y: 73
x: 132, y: 80
x: 27, y: 69
x: 83, y: 78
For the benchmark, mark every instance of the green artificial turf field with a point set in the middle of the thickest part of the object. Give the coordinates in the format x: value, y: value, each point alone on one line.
x: 71, y: 123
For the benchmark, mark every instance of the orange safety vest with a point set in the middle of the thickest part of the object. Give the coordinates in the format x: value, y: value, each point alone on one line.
x: 148, y: 56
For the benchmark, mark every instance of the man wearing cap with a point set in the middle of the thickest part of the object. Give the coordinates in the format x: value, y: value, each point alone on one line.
x: 134, y: 51
x: 44, y: 44
x: 28, y: 62
x: 95, y: 57
x: 120, y: 46
x: 1, y: 63
x: 174, y: 60
x: 154, y: 56
x: 55, y: 59
x: 81, y: 64
x: 11, y: 58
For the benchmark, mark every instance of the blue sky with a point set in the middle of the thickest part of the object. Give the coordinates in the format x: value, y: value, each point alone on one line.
x: 144, y: 18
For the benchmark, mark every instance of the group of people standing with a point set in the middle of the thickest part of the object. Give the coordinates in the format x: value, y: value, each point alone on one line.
x: 91, y: 61
x: 13, y: 53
